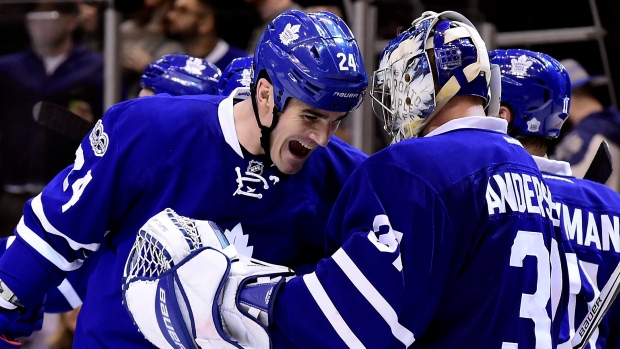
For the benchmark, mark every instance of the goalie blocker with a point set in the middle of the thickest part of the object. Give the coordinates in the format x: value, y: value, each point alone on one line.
x: 204, y: 294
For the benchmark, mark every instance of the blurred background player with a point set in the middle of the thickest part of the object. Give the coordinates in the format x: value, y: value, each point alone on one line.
x: 238, y: 73
x: 592, y: 119
x: 54, y: 69
x: 420, y: 225
x: 204, y: 157
x: 175, y: 74
x: 267, y: 10
x: 179, y: 74
x: 144, y: 38
x: 195, y: 24
x: 536, y: 95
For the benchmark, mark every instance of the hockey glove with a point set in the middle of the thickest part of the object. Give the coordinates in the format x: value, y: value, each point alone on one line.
x: 27, y: 323
x: 247, y: 299
x: 163, y: 242
x: 212, y: 299
x: 6, y: 343
x: 7, y: 320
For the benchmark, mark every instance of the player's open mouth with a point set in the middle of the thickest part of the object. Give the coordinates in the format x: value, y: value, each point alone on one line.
x: 298, y: 149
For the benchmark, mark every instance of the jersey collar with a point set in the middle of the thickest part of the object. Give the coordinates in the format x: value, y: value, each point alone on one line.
x: 478, y: 122
x: 560, y: 168
x: 227, y: 122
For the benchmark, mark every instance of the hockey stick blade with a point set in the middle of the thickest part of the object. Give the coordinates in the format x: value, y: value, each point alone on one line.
x: 601, y: 167
x: 61, y: 120
x: 599, y: 308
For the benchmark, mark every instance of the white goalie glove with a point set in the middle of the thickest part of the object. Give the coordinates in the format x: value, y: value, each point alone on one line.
x: 185, y: 287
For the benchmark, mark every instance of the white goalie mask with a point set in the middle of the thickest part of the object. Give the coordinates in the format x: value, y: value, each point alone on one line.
x: 409, y: 89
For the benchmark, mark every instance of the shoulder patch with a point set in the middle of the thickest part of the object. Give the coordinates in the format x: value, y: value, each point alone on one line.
x: 98, y: 139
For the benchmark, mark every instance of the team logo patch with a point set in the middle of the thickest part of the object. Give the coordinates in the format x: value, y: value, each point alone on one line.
x: 255, y: 167
x: 99, y: 139
x: 520, y: 65
x: 449, y: 58
x: 289, y: 34
x: 194, y: 66
x: 533, y: 125
x: 246, y: 76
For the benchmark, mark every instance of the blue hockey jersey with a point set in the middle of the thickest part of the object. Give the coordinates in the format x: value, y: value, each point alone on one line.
x: 151, y: 153
x: 589, y: 216
x: 438, y: 242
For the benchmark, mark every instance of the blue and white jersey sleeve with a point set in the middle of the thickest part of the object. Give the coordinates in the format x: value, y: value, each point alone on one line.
x: 356, y: 297
x: 68, y: 221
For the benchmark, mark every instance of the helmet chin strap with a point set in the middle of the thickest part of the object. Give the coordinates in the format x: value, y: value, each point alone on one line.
x: 265, y: 131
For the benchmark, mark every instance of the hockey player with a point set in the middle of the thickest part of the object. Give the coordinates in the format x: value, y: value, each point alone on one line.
x: 179, y: 74
x: 536, y: 91
x: 240, y: 165
x: 442, y: 240
x: 175, y: 74
x: 237, y: 74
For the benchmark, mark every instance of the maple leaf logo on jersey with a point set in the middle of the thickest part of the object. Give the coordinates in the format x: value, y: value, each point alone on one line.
x: 520, y: 65
x: 289, y: 34
x: 246, y: 76
x: 240, y: 240
x: 194, y: 66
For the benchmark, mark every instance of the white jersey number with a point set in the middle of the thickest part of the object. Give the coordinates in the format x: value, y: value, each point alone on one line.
x: 533, y: 306
x: 80, y: 184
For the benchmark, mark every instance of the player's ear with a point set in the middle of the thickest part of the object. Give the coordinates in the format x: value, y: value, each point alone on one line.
x: 264, y: 92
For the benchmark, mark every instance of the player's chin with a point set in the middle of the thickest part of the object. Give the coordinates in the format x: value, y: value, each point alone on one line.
x: 289, y: 163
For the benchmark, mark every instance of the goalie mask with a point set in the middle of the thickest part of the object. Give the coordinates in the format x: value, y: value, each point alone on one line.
x: 440, y: 56
x: 179, y: 74
x: 537, y: 88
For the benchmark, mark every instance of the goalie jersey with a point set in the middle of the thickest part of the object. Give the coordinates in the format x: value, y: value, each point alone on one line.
x: 439, y: 242
x: 148, y: 154
x: 589, y: 215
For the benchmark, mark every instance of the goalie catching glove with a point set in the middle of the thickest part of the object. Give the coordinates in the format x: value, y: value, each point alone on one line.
x: 185, y: 287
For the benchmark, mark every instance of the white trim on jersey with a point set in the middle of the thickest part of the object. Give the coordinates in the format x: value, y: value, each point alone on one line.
x: 373, y: 296
x: 227, y: 122
x: 45, y: 249
x: 331, y: 313
x: 37, y: 207
x: 71, y: 296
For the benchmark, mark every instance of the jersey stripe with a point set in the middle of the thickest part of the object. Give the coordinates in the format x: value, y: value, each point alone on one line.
x: 330, y: 311
x: 373, y: 296
x: 45, y: 249
x: 37, y: 207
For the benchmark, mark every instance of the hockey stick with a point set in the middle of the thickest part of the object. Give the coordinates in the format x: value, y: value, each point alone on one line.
x: 61, y: 120
x: 599, y: 308
x: 601, y: 167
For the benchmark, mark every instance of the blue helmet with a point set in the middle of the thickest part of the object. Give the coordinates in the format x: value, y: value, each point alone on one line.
x: 237, y: 74
x: 314, y: 58
x: 179, y: 74
x: 537, y: 88
x: 409, y: 88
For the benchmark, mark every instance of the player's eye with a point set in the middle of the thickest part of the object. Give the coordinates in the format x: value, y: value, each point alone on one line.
x: 309, y: 117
